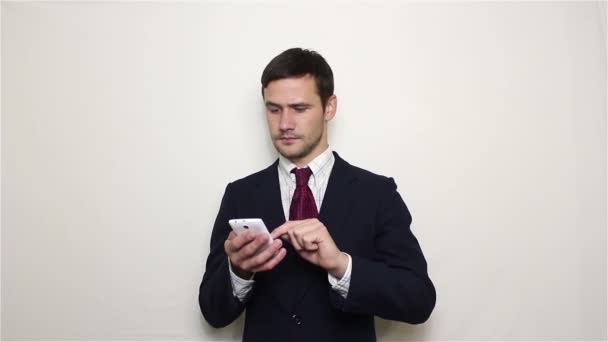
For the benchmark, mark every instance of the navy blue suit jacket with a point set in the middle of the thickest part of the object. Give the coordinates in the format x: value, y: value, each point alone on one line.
x: 367, y: 219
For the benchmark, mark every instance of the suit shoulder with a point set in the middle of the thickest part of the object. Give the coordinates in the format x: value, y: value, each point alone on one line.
x: 371, y: 178
x: 254, y: 178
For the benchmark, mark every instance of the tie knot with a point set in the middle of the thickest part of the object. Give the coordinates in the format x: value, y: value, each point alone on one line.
x: 302, y: 175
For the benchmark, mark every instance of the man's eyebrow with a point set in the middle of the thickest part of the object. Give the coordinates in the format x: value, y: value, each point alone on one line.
x: 291, y: 105
x: 299, y: 104
x: 269, y: 103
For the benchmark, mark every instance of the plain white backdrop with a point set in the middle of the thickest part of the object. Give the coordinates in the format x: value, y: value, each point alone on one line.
x: 122, y: 123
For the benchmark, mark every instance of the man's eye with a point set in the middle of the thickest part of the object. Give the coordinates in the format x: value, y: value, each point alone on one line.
x: 273, y: 110
x: 300, y: 109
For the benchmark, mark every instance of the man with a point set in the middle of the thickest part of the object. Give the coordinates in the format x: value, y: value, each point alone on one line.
x: 343, y: 251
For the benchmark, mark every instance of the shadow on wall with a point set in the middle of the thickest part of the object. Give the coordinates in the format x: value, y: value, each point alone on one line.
x: 396, y: 331
x: 270, y: 149
x: 233, y: 332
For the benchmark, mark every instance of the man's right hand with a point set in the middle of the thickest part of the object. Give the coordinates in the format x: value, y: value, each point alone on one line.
x: 242, y: 248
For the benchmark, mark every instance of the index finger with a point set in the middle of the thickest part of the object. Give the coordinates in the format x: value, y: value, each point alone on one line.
x: 284, y: 228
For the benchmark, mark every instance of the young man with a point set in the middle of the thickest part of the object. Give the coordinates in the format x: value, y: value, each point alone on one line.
x: 343, y: 251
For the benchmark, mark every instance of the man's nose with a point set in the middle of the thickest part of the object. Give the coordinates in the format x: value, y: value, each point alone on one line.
x: 286, y: 122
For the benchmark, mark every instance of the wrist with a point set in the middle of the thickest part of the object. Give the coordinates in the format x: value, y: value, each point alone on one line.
x: 241, y: 273
x: 341, y: 265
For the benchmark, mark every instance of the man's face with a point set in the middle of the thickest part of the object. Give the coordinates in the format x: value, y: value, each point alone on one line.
x: 296, y: 119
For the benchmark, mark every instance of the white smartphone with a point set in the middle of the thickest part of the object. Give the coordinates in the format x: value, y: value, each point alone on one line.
x: 254, y: 224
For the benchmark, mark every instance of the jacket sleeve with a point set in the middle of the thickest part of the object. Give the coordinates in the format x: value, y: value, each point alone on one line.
x: 217, y: 302
x: 393, y: 284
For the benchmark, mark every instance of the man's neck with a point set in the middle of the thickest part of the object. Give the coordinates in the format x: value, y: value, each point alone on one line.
x: 303, y: 162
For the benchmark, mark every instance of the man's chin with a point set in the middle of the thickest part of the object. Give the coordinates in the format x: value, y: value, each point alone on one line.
x: 290, y: 153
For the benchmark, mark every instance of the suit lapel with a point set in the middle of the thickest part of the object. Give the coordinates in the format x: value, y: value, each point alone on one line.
x: 336, y: 203
x: 269, y: 194
x: 338, y: 198
x: 284, y: 281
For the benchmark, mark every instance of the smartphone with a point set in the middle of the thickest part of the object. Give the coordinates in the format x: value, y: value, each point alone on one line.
x: 254, y: 224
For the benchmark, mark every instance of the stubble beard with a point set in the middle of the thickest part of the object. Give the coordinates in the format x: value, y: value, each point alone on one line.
x: 303, y: 151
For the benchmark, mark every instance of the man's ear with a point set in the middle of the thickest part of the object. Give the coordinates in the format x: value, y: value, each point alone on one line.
x: 330, y: 107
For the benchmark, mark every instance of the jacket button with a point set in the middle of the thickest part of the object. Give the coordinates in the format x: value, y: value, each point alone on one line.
x: 297, y: 320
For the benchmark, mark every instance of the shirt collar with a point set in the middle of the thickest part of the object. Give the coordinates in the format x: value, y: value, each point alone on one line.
x: 315, y: 165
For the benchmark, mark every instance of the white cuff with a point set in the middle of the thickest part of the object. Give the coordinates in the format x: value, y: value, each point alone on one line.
x: 342, y: 285
x: 240, y: 287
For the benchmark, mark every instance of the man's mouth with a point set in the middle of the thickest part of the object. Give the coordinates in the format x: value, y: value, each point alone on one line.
x: 288, y: 139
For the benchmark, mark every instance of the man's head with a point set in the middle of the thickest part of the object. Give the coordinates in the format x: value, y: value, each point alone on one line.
x: 297, y: 87
x: 299, y: 62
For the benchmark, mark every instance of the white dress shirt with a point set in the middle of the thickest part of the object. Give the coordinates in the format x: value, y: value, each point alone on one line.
x: 321, y: 168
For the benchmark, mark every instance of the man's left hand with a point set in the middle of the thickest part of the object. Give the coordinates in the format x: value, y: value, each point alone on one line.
x: 313, y: 243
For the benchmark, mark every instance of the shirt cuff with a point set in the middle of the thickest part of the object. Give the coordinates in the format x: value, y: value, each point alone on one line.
x: 240, y: 287
x: 342, y: 285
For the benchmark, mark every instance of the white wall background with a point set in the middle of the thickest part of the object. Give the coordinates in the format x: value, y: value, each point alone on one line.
x: 123, y: 122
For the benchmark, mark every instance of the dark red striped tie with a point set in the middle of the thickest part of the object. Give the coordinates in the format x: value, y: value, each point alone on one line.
x: 303, y: 202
